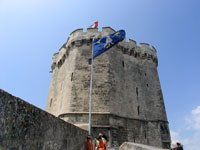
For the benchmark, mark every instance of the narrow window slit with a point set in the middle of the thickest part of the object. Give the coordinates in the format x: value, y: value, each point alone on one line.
x: 137, y: 91
x: 138, y: 109
x: 123, y: 64
x: 72, y: 76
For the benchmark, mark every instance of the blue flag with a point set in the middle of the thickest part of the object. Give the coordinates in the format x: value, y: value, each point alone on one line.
x: 105, y: 43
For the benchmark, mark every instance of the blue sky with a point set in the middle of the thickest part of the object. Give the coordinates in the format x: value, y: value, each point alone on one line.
x: 31, y: 31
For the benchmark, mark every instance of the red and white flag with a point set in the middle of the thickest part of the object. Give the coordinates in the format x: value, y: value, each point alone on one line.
x: 95, y: 25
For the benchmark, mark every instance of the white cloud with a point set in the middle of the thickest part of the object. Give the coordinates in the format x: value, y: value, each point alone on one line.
x: 196, y: 111
x: 192, y: 143
x: 189, y: 135
x: 193, y: 120
x: 189, y: 143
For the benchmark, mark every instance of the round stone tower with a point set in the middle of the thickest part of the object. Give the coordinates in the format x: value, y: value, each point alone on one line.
x: 127, y: 101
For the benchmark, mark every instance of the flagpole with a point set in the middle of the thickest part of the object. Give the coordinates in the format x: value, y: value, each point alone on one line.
x: 90, y: 102
x: 120, y: 35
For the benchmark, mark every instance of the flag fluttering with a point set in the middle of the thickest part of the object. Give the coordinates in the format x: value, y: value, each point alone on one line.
x: 95, y: 25
x: 105, y: 43
x: 100, y: 46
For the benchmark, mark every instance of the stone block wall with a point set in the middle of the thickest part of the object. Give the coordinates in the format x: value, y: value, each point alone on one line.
x: 26, y: 127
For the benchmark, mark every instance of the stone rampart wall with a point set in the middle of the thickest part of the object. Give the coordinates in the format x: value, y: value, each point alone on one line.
x: 26, y: 127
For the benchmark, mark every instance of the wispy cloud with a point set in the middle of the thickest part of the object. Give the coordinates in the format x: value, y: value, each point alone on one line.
x: 192, y: 143
x: 192, y: 121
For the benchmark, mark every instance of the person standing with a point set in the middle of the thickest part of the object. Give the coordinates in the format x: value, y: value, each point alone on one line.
x: 88, y: 144
x: 100, y: 143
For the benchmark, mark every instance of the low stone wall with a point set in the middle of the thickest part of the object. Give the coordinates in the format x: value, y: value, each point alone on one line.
x: 26, y: 127
x: 135, y: 146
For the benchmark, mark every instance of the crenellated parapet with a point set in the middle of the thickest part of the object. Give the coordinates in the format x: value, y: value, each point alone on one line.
x: 79, y: 37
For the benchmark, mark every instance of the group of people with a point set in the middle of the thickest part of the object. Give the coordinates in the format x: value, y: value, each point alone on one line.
x: 99, y: 143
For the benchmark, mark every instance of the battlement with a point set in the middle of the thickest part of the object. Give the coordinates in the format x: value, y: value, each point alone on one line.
x: 94, y: 33
x: 78, y: 37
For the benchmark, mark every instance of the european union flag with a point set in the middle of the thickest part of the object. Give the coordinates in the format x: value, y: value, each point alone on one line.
x: 105, y: 43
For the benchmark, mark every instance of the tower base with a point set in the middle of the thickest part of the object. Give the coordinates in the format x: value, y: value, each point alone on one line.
x: 119, y: 129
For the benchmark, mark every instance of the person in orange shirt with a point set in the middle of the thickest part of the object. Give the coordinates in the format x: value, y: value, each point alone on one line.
x: 101, y: 143
x: 88, y: 144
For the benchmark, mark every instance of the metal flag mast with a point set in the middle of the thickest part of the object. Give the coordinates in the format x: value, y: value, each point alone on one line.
x: 90, y: 102
x: 102, y: 46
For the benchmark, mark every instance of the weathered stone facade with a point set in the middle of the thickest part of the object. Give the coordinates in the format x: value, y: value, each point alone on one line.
x: 26, y: 127
x: 127, y: 101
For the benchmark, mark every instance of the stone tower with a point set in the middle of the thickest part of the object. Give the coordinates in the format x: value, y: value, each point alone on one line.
x: 127, y: 101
